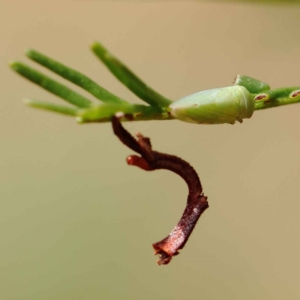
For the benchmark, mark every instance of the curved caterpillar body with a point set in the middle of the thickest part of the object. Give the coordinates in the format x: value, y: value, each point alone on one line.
x: 216, y: 106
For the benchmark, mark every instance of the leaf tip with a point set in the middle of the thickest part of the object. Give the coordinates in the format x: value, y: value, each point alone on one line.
x: 13, y: 64
x: 79, y: 120
x: 96, y: 46
x: 28, y: 52
x: 27, y: 101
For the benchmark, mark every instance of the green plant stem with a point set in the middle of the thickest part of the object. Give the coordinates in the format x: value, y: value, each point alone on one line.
x: 74, y: 76
x: 277, y: 97
x: 51, y: 85
x: 104, y: 113
x: 158, y: 109
x: 128, y: 78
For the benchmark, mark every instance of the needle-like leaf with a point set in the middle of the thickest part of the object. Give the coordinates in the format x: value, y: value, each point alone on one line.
x: 128, y: 78
x: 71, y: 111
x: 74, y: 76
x: 51, y: 85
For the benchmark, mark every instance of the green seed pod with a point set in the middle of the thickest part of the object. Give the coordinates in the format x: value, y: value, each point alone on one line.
x: 216, y: 106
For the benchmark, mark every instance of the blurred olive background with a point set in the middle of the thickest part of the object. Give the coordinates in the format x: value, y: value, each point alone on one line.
x: 78, y: 223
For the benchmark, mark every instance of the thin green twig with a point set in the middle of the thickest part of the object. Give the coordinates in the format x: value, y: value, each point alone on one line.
x: 277, y: 97
x: 103, y: 113
x: 87, y: 111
